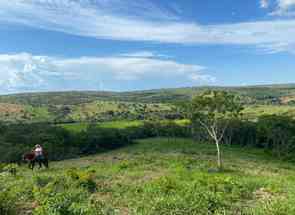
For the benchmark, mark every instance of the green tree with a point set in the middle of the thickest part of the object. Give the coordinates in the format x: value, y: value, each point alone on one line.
x: 276, y: 133
x: 213, y: 110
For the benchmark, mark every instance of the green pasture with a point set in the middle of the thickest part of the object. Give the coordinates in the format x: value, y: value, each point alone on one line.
x: 155, y: 176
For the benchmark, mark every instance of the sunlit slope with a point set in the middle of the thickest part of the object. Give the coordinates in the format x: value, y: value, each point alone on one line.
x: 62, y: 107
x: 156, y: 176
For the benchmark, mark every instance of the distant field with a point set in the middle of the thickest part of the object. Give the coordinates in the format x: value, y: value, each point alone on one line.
x: 65, y: 107
x: 252, y: 112
x: 78, y: 127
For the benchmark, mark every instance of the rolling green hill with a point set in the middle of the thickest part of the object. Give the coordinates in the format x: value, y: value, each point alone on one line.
x: 263, y: 93
x: 96, y: 111
x: 65, y: 107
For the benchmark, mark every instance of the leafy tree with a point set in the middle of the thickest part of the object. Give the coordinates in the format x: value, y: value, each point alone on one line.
x: 213, y: 110
x: 276, y: 133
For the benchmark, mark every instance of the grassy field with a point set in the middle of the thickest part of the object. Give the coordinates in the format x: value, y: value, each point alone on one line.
x: 155, y: 176
x: 78, y: 127
x: 252, y: 112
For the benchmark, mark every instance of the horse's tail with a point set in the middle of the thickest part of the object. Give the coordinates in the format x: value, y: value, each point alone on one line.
x: 25, y: 157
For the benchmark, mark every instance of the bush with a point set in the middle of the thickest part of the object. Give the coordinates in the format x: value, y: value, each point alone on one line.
x: 93, y: 207
x: 7, y: 203
x: 42, y: 181
x: 199, y: 194
x: 68, y: 194
x: 60, y: 203
x: 84, y: 180
x: 11, y: 168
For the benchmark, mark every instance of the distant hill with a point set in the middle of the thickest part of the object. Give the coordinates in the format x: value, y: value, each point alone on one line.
x: 262, y: 93
x: 78, y: 106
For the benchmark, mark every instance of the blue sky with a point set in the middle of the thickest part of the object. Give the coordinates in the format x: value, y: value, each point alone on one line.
x: 54, y: 45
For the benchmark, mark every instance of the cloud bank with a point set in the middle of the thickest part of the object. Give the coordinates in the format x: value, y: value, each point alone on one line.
x: 286, y: 4
x: 280, y: 8
x: 111, y: 19
x: 27, y: 73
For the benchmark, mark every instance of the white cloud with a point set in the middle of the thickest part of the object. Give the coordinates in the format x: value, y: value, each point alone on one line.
x: 264, y: 3
x: 203, y: 78
x: 25, y: 72
x: 145, y: 54
x: 286, y: 4
x: 284, y: 8
x: 104, y: 19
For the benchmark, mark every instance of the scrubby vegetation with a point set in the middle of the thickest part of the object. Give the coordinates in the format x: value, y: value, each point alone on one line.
x: 74, y: 107
x: 154, y: 176
x: 98, y: 111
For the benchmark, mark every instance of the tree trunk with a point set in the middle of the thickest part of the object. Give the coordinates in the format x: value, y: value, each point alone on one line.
x: 219, y: 162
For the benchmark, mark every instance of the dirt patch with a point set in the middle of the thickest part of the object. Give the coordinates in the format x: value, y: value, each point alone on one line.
x: 263, y: 194
x: 6, y: 108
x: 27, y: 208
x: 287, y: 99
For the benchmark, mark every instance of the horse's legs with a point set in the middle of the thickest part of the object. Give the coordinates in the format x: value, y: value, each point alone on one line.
x: 40, y: 164
x: 32, y: 164
x: 45, y: 163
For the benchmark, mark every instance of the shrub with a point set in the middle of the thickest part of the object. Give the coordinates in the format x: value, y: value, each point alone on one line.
x: 68, y: 194
x: 42, y: 181
x: 60, y: 203
x: 93, y: 207
x: 7, y: 204
x: 86, y: 181
x: 11, y: 168
x: 199, y: 194
x: 82, y: 179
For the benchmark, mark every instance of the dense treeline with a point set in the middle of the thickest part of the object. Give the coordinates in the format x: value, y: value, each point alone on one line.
x: 275, y: 134
x: 60, y: 143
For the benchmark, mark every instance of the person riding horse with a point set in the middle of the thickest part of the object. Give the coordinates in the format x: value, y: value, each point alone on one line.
x: 36, y: 155
x: 38, y: 150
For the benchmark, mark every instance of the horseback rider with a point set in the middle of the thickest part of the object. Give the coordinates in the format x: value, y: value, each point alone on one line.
x: 38, y: 151
x: 36, y: 155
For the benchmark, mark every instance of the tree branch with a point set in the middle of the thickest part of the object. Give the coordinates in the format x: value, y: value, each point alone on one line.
x: 207, y: 128
x: 223, y: 132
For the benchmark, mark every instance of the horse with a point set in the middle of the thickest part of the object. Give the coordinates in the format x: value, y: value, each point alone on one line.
x: 31, y: 158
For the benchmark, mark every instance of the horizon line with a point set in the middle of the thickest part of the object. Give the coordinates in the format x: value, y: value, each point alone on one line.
x: 152, y: 89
